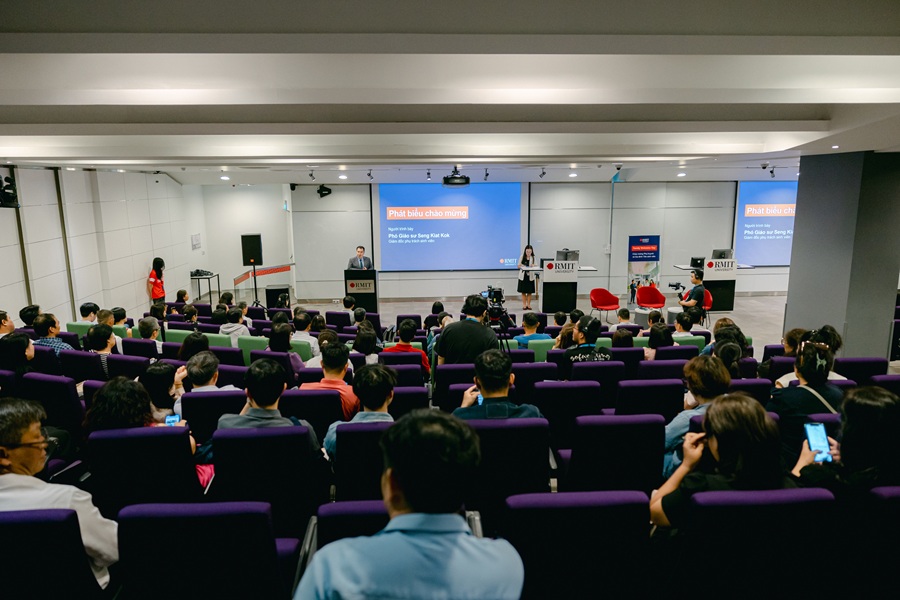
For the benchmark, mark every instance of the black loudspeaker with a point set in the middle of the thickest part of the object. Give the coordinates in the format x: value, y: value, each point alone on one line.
x: 251, y: 247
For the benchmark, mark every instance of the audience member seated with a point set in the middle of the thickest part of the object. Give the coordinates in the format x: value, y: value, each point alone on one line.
x: 280, y: 341
x: 366, y: 342
x: 721, y: 323
x: 564, y: 340
x: 730, y: 354
x: 706, y: 378
x: 790, y: 342
x: 696, y: 315
x: 280, y: 317
x: 219, y: 315
x: 575, y: 316
x: 462, y: 341
x: 318, y: 324
x: 493, y: 376
x: 105, y: 317
x: 623, y: 338
x: 584, y: 336
x: 427, y: 550
x: 265, y: 383
x: 302, y: 324
x: 407, y: 331
x: 227, y: 299
x: 235, y: 327
x: 6, y: 324
x: 683, y: 325
x: 742, y: 440
x: 164, y: 384
x: 530, y: 324
x: 813, y: 395
x: 149, y: 329
x: 203, y: 373
x: 29, y: 313
x: 46, y: 327
x: 653, y: 318
x: 193, y: 344
x: 866, y: 455
x: 190, y: 314
x: 89, y: 312
x: 121, y: 319
x: 559, y: 318
x: 244, y: 309
x: 326, y: 337
x: 349, y: 303
x: 101, y: 341
x: 374, y: 386
x: 624, y: 317
x: 334, y: 368
x: 16, y: 351
x: 444, y: 319
x: 825, y: 335
x: 158, y: 312
x: 660, y: 336
x: 182, y: 297
x: 24, y: 448
x: 359, y: 315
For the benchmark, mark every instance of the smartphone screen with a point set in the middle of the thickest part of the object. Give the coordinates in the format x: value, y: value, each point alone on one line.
x: 480, y: 399
x: 172, y: 420
x: 818, y: 441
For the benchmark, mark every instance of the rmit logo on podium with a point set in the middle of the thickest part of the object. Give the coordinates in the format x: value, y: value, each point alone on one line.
x: 721, y: 265
x: 361, y: 286
x: 561, y: 266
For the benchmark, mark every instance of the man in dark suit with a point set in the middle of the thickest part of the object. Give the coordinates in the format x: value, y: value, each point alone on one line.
x: 360, y: 262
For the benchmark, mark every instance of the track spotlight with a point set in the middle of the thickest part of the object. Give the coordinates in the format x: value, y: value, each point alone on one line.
x: 370, y: 175
x: 772, y: 172
x: 293, y: 187
x: 486, y: 174
x: 312, y: 176
x: 543, y: 172
x: 428, y: 175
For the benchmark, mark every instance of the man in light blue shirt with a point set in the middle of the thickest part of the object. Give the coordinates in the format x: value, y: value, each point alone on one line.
x: 374, y: 386
x: 426, y: 550
x: 530, y: 324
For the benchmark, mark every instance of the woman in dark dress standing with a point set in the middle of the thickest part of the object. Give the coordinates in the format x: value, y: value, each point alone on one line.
x: 526, y: 278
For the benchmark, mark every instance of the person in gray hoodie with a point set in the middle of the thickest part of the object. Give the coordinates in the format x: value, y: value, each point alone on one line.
x: 235, y: 327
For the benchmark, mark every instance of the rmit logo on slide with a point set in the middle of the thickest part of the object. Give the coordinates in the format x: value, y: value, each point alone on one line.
x: 361, y: 286
x: 508, y: 261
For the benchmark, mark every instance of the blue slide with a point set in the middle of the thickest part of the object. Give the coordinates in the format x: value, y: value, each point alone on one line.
x: 427, y: 227
x: 764, y: 228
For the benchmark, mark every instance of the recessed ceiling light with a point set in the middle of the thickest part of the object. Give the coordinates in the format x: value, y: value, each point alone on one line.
x: 573, y: 174
x: 682, y: 167
x: 342, y: 177
x: 70, y: 168
x: 682, y: 175
x: 798, y: 174
x: 120, y: 170
x: 225, y: 178
x: 835, y: 147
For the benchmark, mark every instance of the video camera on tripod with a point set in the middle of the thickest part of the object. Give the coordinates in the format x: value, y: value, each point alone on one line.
x: 498, y: 317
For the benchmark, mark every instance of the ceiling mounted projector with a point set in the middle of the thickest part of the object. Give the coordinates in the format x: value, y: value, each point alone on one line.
x: 455, y: 179
x: 323, y: 191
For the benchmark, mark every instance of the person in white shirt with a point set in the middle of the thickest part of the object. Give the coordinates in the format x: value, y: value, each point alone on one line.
x: 6, y: 323
x: 203, y: 373
x: 624, y: 316
x: 683, y: 325
x: 24, y: 448
x: 301, y: 332
x: 149, y: 329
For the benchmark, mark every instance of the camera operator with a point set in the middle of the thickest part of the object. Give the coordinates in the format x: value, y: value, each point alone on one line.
x: 695, y: 296
x: 464, y: 340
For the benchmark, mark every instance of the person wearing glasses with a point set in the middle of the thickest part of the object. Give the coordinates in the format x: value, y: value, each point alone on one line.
x: 24, y: 448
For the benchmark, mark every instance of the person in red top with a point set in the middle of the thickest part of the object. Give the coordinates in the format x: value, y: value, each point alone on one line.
x: 407, y: 331
x: 156, y: 287
x: 334, y: 367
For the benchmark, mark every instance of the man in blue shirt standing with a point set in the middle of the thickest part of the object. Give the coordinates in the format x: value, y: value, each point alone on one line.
x: 426, y: 550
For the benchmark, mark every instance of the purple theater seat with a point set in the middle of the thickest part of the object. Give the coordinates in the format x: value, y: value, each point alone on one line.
x: 232, y: 375
x: 259, y: 325
x: 81, y: 365
x: 282, y: 358
x: 27, y: 331
x: 409, y: 375
x: 527, y: 374
x: 661, y: 369
x: 770, y: 350
x: 663, y: 397
x: 632, y: 357
x: 676, y: 352
x: 180, y: 326
x: 7, y: 382
x: 556, y: 357
x: 139, y: 347
x: 861, y: 370
x: 346, y: 337
x: 781, y: 365
x: 59, y: 398
x: 275, y: 465
x: 759, y: 388
x: 561, y: 402
x: 407, y: 399
x: 574, y: 543
x: 320, y: 408
x: 748, y: 367
x: 888, y: 382
x: 599, y: 461
x: 90, y: 388
x: 203, y: 309
x: 832, y: 422
x: 141, y: 464
x: 202, y: 410
x: 400, y: 358
x: 446, y: 375
x: 258, y: 564
x: 45, y: 361
x: 514, y: 460
x: 552, y: 330
x: 607, y: 373
x: 208, y: 328
x: 339, y: 520
x: 256, y: 312
x: 290, y: 313
x: 174, y: 319
x: 375, y: 319
x: 430, y: 321
x: 522, y: 356
x: 338, y: 318
x: 71, y: 338
x: 358, y: 464
x: 171, y: 349
x: 54, y: 536
x: 314, y: 375
x: 228, y: 356
x: 204, y: 319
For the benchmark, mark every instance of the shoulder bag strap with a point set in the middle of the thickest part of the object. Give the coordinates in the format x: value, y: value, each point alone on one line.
x: 819, y: 396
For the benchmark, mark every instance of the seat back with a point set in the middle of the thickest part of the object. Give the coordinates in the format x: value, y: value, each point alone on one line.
x: 632, y: 357
x: 664, y: 397
x: 249, y: 343
x: 416, y: 318
x: 561, y: 402
x: 409, y: 375
x: 759, y: 388
x: 707, y: 299
x: 607, y: 373
x: 232, y: 375
x: 130, y: 367
x: 677, y: 352
x: 338, y: 318
x: 400, y: 358
x: 44, y: 556
x: 407, y: 399
x: 616, y: 453
x: 202, y: 410
x: 781, y: 365
x: 320, y: 408
x: 81, y: 365
x: 72, y: 339
x: 178, y: 336
x: 661, y: 369
x: 514, y: 460
x: 444, y: 377
x: 888, y: 382
x: 142, y: 464
x: 521, y: 356
x: 59, y: 398
x: 607, y: 534
x: 339, y: 520
x: 90, y: 387
x: 770, y: 350
x: 748, y: 367
x: 247, y: 554
x: 218, y: 339
x: 358, y: 464
x: 229, y: 356
x: 45, y: 361
x: 861, y: 369
x: 282, y: 358
x: 527, y: 374
x: 203, y: 309
x: 274, y: 465
x: 139, y: 347
x: 540, y: 348
x: 601, y: 298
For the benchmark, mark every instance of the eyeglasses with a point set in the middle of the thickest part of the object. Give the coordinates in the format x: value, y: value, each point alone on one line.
x: 48, y: 443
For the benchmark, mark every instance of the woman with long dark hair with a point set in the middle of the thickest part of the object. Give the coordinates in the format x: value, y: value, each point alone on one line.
x: 16, y: 350
x: 156, y: 287
x: 526, y: 278
x: 193, y: 344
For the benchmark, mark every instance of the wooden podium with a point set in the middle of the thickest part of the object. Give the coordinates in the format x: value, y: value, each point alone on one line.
x: 362, y: 285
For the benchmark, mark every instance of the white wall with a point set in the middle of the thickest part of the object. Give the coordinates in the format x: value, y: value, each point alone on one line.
x: 233, y: 211
x: 12, y: 283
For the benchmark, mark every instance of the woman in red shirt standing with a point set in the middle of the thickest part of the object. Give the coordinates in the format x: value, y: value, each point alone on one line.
x: 156, y: 287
